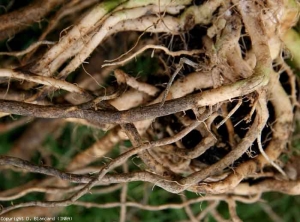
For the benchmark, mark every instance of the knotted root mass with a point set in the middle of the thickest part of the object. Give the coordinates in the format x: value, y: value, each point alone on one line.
x: 189, y: 96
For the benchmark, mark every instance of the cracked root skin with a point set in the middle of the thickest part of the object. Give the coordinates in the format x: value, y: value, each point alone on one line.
x: 211, y: 116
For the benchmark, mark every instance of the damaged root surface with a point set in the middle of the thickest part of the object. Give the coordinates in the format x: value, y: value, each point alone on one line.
x: 190, y: 98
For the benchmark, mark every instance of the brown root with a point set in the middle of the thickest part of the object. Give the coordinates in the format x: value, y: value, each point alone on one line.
x: 208, y: 112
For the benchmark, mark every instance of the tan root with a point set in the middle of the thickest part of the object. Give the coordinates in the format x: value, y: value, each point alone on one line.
x: 207, y: 113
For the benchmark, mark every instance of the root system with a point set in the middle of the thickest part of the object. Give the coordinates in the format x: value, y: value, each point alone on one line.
x: 200, y: 92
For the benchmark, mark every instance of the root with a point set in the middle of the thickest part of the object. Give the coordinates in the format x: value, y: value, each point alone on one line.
x: 29, y: 49
x: 267, y: 158
x: 210, y: 110
x: 18, y: 20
